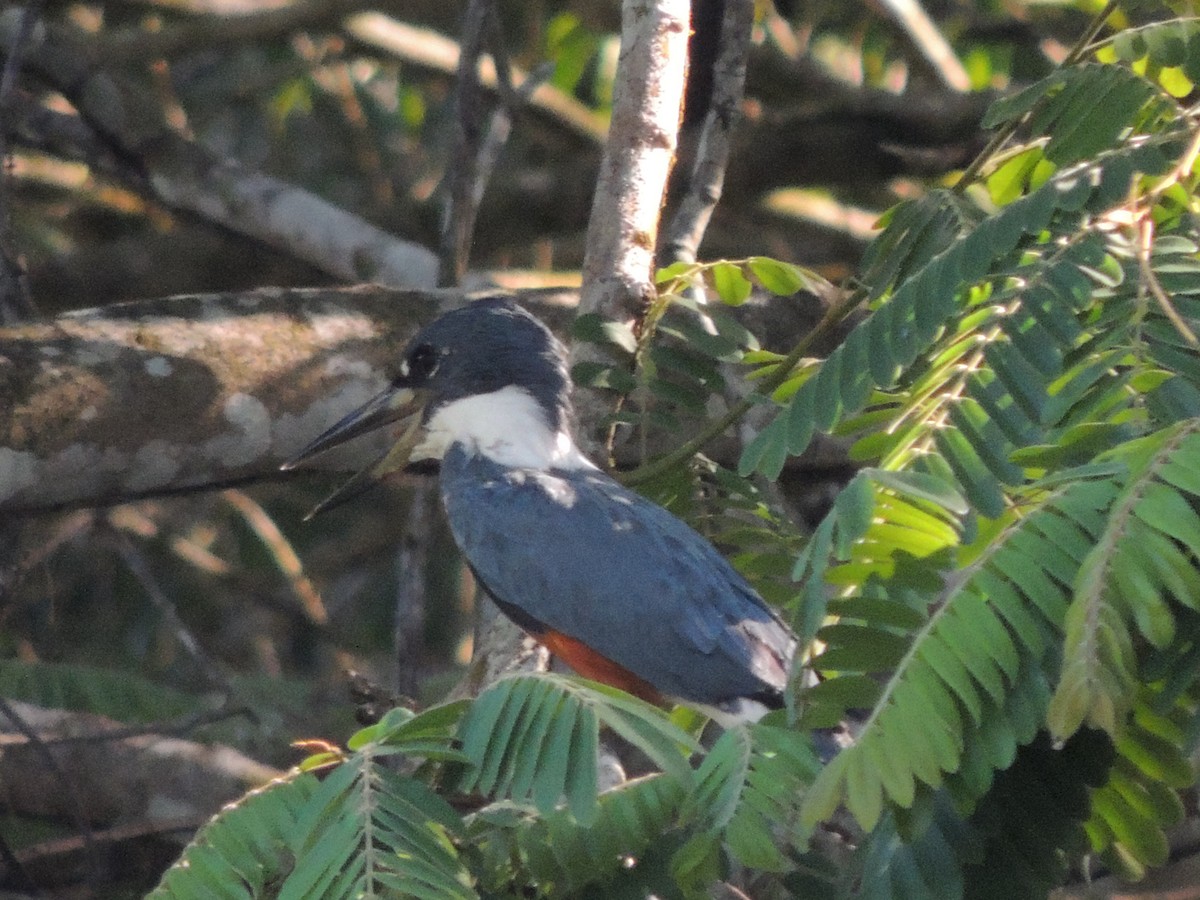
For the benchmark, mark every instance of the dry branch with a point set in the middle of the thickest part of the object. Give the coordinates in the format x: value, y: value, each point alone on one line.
x: 432, y: 50
x: 181, y: 174
x: 107, y: 405
x: 686, y: 231
x: 148, y: 783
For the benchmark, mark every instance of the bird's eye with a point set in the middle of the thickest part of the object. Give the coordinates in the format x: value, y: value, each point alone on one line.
x: 421, y: 362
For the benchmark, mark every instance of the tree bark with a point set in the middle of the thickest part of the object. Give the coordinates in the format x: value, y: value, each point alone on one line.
x: 108, y: 405
x: 623, y: 229
x: 618, y: 266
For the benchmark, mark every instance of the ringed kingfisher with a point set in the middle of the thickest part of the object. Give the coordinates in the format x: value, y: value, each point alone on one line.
x: 614, y: 585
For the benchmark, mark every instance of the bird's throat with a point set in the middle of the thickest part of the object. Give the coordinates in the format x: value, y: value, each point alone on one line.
x: 507, y: 426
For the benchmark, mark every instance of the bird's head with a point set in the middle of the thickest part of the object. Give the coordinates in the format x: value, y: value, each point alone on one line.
x: 488, y: 376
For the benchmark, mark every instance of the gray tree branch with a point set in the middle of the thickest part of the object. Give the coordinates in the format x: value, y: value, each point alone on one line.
x: 187, y: 177
x: 184, y: 393
x: 686, y: 230
x: 618, y: 265
x: 432, y: 50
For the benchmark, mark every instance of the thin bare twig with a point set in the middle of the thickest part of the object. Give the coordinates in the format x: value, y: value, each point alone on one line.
x: 1145, y: 246
x: 59, y: 850
x: 411, y: 559
x: 513, y: 98
x: 432, y: 50
x: 66, y: 779
x: 686, y: 231
x: 477, y: 151
x: 499, y: 130
x: 137, y: 566
x: 924, y: 34
x: 16, y: 304
x: 462, y: 177
x: 500, y: 59
x: 1137, y: 216
x: 287, y: 560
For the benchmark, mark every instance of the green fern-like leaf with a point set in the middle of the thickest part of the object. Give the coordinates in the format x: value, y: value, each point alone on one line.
x: 946, y: 290
x: 1050, y: 785
x: 1063, y: 106
x: 556, y: 855
x: 246, y: 849
x: 936, y: 849
x: 534, y: 738
x: 747, y: 796
x: 371, y: 832
x: 1146, y: 555
x: 1170, y: 52
x: 958, y: 669
x: 889, y: 867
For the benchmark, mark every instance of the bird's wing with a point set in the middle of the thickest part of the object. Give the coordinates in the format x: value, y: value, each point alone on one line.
x: 584, y: 556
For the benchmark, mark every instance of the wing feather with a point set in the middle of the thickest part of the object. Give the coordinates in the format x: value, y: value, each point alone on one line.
x: 591, y: 559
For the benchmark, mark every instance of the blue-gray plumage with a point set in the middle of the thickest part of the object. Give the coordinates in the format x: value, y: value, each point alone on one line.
x: 614, y: 584
x: 578, y: 553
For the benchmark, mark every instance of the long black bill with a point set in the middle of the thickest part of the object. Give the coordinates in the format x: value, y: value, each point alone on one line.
x: 392, y: 405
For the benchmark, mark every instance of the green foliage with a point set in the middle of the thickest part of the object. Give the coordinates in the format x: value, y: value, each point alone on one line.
x: 748, y: 796
x: 117, y: 695
x: 534, y: 739
x: 562, y: 856
x: 247, y: 849
x: 1003, y: 602
x: 1030, y: 356
x: 370, y: 828
x: 370, y: 832
x: 932, y: 850
x: 1144, y: 556
x: 363, y: 830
